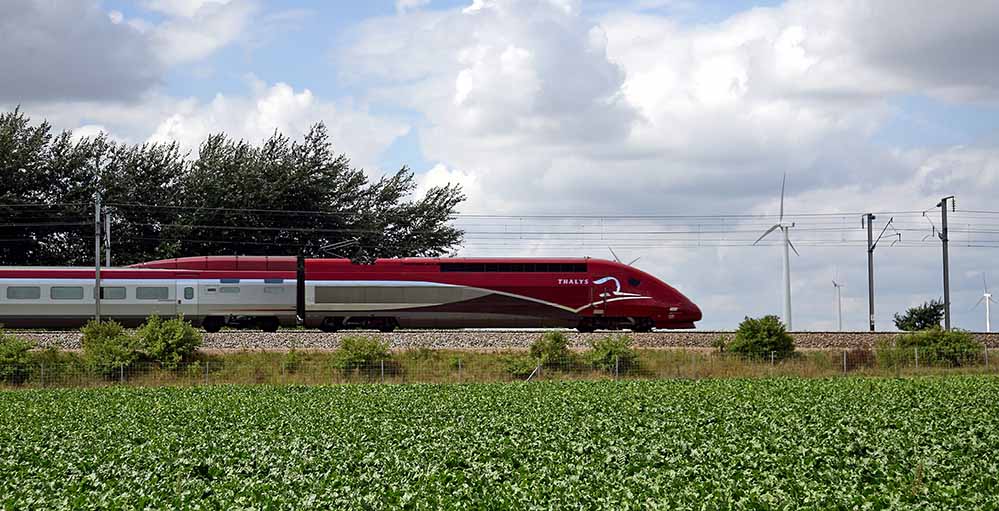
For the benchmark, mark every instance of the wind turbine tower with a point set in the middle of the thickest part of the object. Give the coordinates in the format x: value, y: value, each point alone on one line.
x: 987, y: 298
x: 839, y: 303
x: 788, y: 246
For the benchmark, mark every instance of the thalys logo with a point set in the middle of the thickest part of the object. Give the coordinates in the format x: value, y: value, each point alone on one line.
x: 573, y: 282
x: 617, y: 287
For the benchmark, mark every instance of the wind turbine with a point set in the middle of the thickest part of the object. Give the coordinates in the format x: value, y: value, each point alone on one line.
x: 784, y: 227
x: 839, y: 300
x: 987, y: 298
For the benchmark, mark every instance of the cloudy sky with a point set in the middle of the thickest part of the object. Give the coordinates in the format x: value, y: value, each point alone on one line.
x: 659, y: 127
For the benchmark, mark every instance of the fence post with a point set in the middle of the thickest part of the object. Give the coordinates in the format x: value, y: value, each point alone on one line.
x: 121, y: 373
x: 459, y: 369
x: 844, y: 361
x: 206, y: 370
x: 986, y: 357
x: 42, y: 368
x: 771, y: 358
x: 617, y: 367
x: 383, y: 370
x: 916, y: 351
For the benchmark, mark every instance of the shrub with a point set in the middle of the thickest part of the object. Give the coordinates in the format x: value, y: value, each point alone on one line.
x: 519, y: 366
x: 14, y: 358
x: 761, y: 337
x: 168, y: 342
x: 922, y: 317
x: 291, y: 362
x: 108, y: 347
x: 551, y: 349
x: 612, y: 353
x: 936, y: 346
x: 359, y: 352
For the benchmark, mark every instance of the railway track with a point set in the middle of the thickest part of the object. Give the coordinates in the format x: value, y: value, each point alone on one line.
x: 476, y: 339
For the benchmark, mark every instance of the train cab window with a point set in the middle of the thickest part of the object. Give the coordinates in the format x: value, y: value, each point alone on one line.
x: 514, y: 267
x: 188, y: 293
x: 232, y: 290
x: 152, y: 293
x: 66, y: 292
x: 634, y: 282
x: 229, y: 281
x: 24, y: 293
x: 272, y: 290
x: 112, y: 293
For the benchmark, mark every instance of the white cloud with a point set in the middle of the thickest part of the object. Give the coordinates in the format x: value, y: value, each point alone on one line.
x: 551, y: 112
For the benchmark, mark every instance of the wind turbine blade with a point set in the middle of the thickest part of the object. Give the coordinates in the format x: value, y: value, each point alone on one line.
x: 792, y: 248
x: 782, y: 181
x: 980, y: 300
x: 633, y: 261
x: 770, y: 230
x: 616, y: 258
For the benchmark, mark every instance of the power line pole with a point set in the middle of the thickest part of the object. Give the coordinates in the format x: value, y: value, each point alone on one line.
x: 870, y: 268
x: 97, y: 257
x: 946, y: 263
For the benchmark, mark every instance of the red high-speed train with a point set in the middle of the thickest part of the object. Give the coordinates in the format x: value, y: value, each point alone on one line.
x: 334, y: 294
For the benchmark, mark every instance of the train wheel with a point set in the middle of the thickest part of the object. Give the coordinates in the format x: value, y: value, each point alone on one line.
x: 643, y: 325
x: 585, y: 327
x: 268, y: 324
x: 387, y: 325
x: 328, y: 325
x: 212, y: 324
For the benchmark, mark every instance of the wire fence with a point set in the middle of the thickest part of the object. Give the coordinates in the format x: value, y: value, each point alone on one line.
x: 429, y: 366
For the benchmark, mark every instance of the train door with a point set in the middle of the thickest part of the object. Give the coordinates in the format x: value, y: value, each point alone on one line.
x: 187, y: 298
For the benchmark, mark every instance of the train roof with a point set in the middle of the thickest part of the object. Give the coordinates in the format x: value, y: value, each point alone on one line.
x: 288, y: 263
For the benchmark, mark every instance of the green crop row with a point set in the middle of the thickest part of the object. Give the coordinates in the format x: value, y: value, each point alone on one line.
x: 786, y: 443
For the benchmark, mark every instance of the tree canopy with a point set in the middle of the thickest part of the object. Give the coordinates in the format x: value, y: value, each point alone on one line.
x: 282, y: 197
x: 921, y: 317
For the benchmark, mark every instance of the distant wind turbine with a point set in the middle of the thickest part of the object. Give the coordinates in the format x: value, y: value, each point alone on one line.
x: 839, y: 300
x: 987, y: 298
x: 787, y: 257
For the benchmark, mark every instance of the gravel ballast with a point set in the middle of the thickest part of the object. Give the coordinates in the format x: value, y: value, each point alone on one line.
x: 481, y: 339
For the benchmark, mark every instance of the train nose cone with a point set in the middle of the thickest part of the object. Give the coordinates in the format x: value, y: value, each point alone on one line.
x: 693, y: 311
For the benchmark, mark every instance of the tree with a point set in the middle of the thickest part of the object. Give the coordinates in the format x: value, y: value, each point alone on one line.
x: 283, y: 197
x: 760, y: 337
x: 921, y: 317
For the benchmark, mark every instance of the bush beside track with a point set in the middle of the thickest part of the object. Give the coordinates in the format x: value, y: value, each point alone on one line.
x: 484, y: 339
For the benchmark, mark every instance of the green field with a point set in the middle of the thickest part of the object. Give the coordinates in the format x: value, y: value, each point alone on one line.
x: 848, y: 443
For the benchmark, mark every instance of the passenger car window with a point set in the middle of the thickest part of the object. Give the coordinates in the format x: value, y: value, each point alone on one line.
x: 188, y: 293
x: 152, y: 293
x: 273, y: 290
x: 229, y: 290
x: 24, y: 293
x: 66, y: 292
x: 112, y: 293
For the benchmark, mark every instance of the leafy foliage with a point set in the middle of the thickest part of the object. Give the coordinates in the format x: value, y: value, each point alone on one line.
x: 935, y: 346
x: 14, y: 358
x: 161, y: 199
x: 551, y: 349
x: 759, y: 337
x: 922, y: 317
x: 168, y: 342
x: 358, y: 352
x: 925, y: 443
x: 108, y: 347
x: 613, y: 353
x: 519, y: 366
